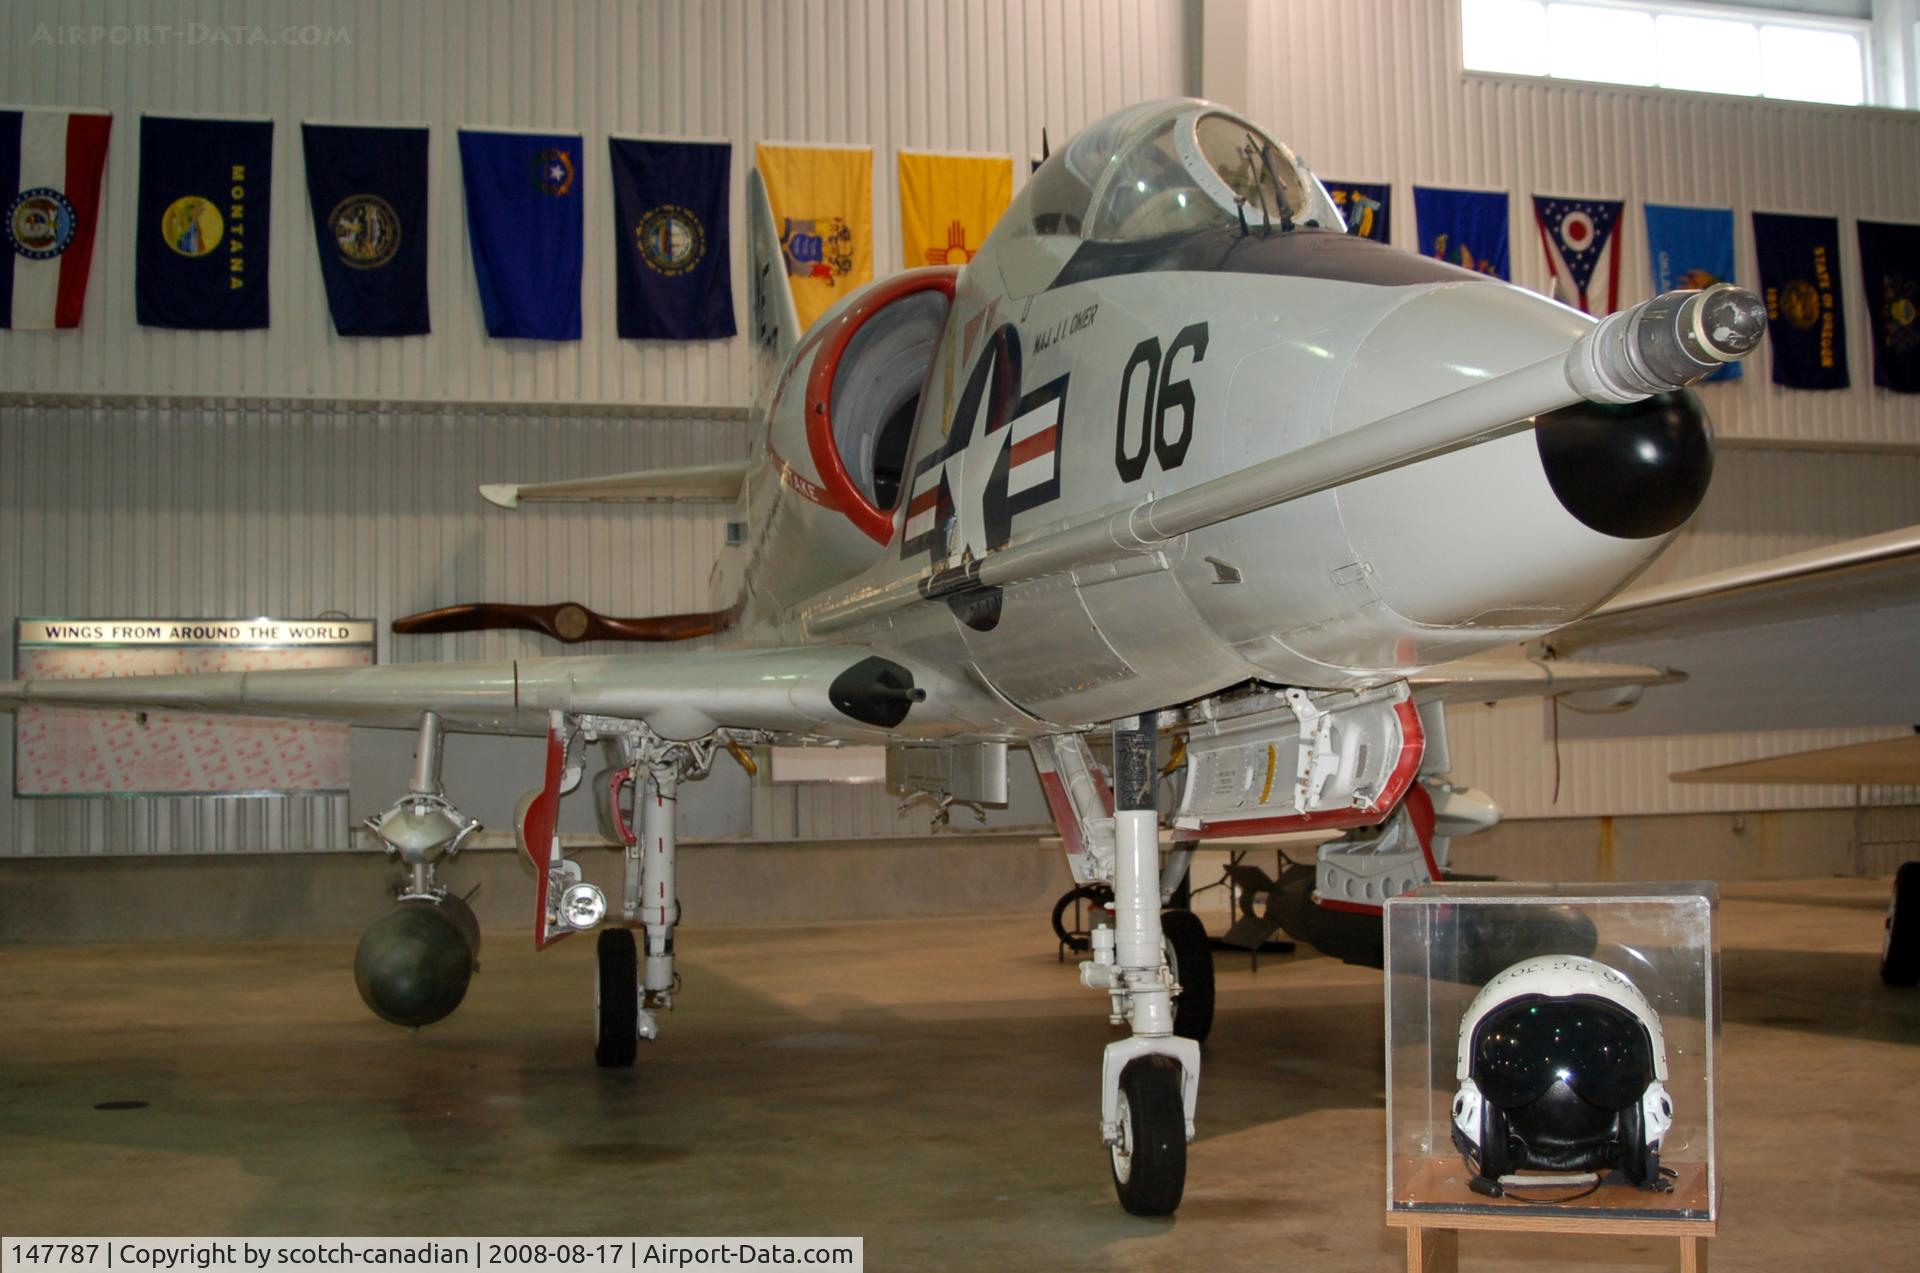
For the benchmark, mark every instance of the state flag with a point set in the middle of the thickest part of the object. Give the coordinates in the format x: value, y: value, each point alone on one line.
x: 527, y: 229
x: 50, y: 172
x: 1800, y: 279
x: 1890, y: 270
x: 1467, y: 228
x: 822, y: 198
x: 1578, y: 236
x: 1691, y: 248
x: 205, y: 208
x: 367, y: 187
x: 1367, y: 207
x: 949, y: 204
x: 673, y: 265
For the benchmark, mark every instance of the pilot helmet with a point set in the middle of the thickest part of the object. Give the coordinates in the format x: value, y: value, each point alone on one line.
x: 1562, y: 1069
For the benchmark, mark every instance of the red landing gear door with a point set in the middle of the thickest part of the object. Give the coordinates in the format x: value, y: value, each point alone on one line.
x: 539, y: 816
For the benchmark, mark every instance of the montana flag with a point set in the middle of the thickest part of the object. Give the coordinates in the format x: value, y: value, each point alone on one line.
x: 1582, y: 250
x: 949, y: 203
x: 672, y: 259
x: 205, y: 206
x: 368, y: 190
x: 1691, y: 248
x: 50, y: 166
x: 1800, y: 278
x: 527, y: 229
x: 1467, y: 228
x: 822, y: 199
x: 1890, y: 269
x: 1367, y: 206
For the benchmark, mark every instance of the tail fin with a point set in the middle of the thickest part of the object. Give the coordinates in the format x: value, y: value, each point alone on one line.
x: 776, y: 323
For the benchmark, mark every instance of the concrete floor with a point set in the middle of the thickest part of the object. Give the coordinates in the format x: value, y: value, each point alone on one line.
x: 928, y: 1085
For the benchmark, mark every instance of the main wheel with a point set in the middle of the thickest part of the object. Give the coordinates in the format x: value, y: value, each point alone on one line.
x: 1150, y: 1162
x: 616, y: 1000
x: 1900, y: 952
x: 1190, y: 959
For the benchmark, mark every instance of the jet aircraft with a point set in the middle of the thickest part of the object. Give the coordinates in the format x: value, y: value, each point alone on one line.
x: 1160, y: 460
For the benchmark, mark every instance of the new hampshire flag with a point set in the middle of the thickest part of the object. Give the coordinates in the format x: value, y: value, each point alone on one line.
x: 50, y: 165
x: 525, y: 222
x: 1578, y: 235
x: 672, y: 257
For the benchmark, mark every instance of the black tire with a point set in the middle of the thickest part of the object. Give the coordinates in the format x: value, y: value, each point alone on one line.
x: 1900, y: 953
x: 616, y: 1000
x: 1150, y: 1163
x: 1091, y: 894
x: 1190, y: 958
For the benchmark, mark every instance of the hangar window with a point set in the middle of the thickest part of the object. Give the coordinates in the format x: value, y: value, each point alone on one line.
x: 1777, y: 51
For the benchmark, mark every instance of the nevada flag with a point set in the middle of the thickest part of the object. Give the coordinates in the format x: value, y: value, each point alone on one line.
x: 1578, y: 235
x: 50, y: 168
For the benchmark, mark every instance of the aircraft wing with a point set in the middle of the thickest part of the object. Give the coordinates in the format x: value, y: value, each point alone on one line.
x: 1886, y: 762
x: 694, y: 484
x: 834, y: 691
x: 1486, y: 678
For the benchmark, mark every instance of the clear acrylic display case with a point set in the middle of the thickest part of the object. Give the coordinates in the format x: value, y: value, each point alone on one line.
x: 1445, y: 941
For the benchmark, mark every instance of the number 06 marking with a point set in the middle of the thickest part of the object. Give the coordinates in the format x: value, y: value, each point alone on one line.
x: 1140, y: 433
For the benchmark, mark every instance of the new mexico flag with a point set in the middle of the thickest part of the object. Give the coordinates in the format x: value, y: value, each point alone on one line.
x: 823, y: 207
x: 948, y: 204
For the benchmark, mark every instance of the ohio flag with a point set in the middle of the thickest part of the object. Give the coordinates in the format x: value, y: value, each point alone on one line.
x: 1581, y: 246
x: 50, y: 167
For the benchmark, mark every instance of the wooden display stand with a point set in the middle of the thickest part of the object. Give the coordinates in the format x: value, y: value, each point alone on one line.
x: 1446, y: 1207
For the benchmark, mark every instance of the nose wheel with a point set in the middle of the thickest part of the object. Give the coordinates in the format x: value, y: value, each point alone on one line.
x: 616, y: 1000
x: 1150, y: 1157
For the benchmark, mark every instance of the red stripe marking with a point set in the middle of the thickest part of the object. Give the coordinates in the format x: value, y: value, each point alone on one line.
x: 924, y: 500
x: 1042, y: 443
x: 86, y: 160
x: 1357, y: 908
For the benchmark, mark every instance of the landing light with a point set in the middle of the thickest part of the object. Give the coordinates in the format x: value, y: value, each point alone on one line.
x: 583, y: 906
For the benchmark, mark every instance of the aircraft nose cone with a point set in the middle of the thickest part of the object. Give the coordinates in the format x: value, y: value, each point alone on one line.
x: 413, y: 965
x: 1634, y: 471
x: 1733, y: 321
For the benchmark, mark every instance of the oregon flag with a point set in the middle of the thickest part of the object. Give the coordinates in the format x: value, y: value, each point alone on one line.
x: 822, y: 200
x: 949, y: 203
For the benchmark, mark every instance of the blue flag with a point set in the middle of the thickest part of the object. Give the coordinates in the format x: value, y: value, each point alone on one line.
x: 368, y: 188
x: 1691, y: 248
x: 1367, y: 207
x: 528, y: 232
x: 1800, y: 277
x: 672, y: 260
x: 200, y: 256
x: 1890, y: 268
x: 1467, y: 228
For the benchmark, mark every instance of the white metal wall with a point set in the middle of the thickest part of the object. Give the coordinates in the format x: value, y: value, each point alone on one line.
x: 985, y: 75
x: 1373, y: 90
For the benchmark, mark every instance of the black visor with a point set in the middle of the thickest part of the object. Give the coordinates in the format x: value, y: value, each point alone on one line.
x: 1597, y: 1048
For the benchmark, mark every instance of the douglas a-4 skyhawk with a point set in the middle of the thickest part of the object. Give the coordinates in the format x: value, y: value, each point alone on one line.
x: 1172, y: 455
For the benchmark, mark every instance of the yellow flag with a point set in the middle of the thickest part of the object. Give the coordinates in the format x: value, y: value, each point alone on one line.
x: 823, y: 207
x: 948, y: 204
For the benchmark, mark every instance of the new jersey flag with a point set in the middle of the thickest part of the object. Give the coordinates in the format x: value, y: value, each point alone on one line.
x: 204, y: 211
x: 1691, y: 248
x: 822, y: 199
x: 50, y: 166
x: 1800, y: 277
x: 368, y: 190
x: 527, y: 230
x: 1582, y: 254
x: 1367, y: 206
x: 1467, y: 228
x: 949, y: 204
x: 1890, y: 266
x: 672, y: 261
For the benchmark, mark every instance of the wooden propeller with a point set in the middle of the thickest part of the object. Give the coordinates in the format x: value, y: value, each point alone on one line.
x: 569, y: 622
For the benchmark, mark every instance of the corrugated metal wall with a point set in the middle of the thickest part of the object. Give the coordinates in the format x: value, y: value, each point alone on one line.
x: 1373, y: 90
x: 983, y: 76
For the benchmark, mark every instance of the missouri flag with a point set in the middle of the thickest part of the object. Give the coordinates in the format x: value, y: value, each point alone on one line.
x: 949, y: 204
x: 50, y: 165
x: 822, y: 199
x: 204, y: 208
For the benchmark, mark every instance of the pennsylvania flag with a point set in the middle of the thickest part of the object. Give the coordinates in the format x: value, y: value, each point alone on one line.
x: 672, y: 260
x: 204, y: 210
x: 368, y: 189
x: 949, y: 204
x: 527, y: 230
x: 1890, y: 264
x: 1467, y: 228
x: 1800, y: 277
x: 1691, y: 248
x: 1367, y: 206
x: 50, y: 165
x: 822, y: 199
